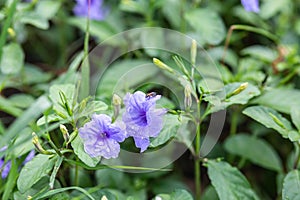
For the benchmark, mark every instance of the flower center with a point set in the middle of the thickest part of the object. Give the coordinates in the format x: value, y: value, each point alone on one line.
x: 103, y: 135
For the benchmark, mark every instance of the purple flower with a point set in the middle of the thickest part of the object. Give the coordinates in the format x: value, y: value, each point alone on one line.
x: 142, y: 119
x: 251, y: 5
x: 93, y: 7
x: 5, y: 167
x: 101, y: 137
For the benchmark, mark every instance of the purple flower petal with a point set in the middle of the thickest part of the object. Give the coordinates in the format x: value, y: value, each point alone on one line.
x: 251, y: 5
x: 142, y: 119
x: 101, y: 138
x: 5, y: 168
x: 29, y: 157
x: 94, y: 8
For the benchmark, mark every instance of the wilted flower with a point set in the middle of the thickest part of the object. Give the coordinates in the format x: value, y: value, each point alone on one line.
x: 251, y: 5
x: 101, y: 137
x: 5, y: 167
x: 142, y: 119
x: 93, y: 8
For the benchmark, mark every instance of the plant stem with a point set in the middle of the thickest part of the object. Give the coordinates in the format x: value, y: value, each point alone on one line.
x: 7, y: 23
x: 85, y: 68
x: 260, y: 31
x: 197, y: 153
x: 233, y: 125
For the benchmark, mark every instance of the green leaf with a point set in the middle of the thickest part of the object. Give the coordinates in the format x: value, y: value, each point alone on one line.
x: 34, y: 170
x: 229, y: 182
x: 210, y: 193
x: 181, y: 195
x: 170, y: 127
x: 78, y: 147
x: 9, y: 107
x: 282, y: 100
x: 57, y: 92
x: 92, y: 107
x: 260, y: 52
x: 59, y: 190
x: 243, y: 97
x: 291, y: 186
x: 21, y: 100
x: 112, y: 178
x: 50, y: 118
x: 12, y: 59
x: 171, y: 10
x: 55, y: 170
x: 294, y: 136
x: 295, y: 115
x: 220, y: 101
x: 251, y: 148
x: 208, y: 25
x: 47, y: 8
x: 100, y: 29
x: 178, y: 194
x: 34, y: 19
x: 267, y: 117
x: 34, y: 111
x: 270, y: 8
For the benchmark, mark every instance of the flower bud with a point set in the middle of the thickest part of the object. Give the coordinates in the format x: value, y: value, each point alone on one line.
x: 104, y: 197
x: 38, y: 146
x: 193, y: 52
x: 277, y: 121
x: 241, y: 88
x: 11, y: 32
x: 65, y: 132
x: 162, y: 65
x: 187, y: 97
x: 116, y: 101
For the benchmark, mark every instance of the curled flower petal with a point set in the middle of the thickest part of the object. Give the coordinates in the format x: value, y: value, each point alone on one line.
x: 101, y: 138
x: 142, y: 119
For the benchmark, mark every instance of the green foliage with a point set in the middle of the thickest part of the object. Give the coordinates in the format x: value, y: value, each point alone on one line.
x: 229, y: 181
x: 251, y: 148
x: 227, y: 59
x: 34, y: 170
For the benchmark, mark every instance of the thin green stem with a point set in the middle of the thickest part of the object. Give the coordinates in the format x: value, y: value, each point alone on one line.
x: 234, y: 121
x: 7, y: 23
x: 85, y: 69
x: 260, y: 31
x: 76, y: 174
x: 197, y: 152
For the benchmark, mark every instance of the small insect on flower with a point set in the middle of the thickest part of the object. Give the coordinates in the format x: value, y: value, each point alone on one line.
x: 150, y: 95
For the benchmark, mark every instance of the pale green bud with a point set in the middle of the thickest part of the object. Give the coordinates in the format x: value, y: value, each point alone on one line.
x: 162, y: 65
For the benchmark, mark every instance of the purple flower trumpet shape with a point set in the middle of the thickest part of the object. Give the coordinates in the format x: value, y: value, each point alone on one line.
x: 142, y: 119
x: 101, y: 137
x: 251, y: 5
x: 93, y: 8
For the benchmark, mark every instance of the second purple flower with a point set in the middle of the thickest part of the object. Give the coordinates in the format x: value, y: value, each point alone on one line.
x: 142, y: 119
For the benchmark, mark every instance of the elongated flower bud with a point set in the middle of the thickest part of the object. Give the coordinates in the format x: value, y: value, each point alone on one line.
x: 65, y: 132
x: 277, y: 121
x: 116, y: 101
x: 193, y: 52
x: 187, y: 97
x: 162, y: 65
x: 37, y: 144
x: 241, y: 88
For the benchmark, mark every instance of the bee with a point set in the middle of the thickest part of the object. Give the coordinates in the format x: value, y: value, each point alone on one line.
x: 150, y: 95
